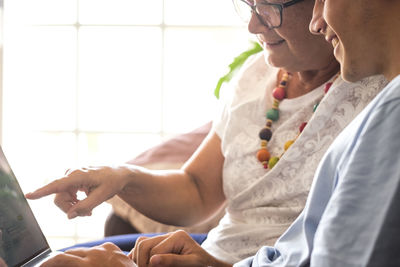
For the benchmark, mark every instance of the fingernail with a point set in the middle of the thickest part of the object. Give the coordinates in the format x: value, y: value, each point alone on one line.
x: 72, y: 215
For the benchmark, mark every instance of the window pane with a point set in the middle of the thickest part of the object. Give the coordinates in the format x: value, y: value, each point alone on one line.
x: 41, y: 11
x: 38, y: 158
x: 120, y: 79
x: 192, y: 69
x: 40, y: 78
x: 120, y: 12
x: 205, y: 12
x: 98, y: 149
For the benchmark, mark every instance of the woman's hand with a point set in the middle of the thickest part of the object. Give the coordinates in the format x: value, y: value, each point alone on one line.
x: 173, y: 249
x: 106, y: 254
x: 99, y: 184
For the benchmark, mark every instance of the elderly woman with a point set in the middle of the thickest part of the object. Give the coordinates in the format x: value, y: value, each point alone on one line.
x: 260, y: 157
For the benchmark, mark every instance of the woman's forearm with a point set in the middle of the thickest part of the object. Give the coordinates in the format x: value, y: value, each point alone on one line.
x: 170, y: 196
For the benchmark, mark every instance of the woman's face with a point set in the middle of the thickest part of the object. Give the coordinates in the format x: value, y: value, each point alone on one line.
x: 292, y: 46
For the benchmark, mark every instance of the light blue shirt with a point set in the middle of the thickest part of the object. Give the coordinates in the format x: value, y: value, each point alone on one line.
x: 351, y: 192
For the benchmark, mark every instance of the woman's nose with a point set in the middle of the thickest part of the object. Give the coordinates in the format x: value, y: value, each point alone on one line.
x: 255, y: 26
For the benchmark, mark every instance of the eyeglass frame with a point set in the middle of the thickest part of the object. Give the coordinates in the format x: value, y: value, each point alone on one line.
x: 280, y: 7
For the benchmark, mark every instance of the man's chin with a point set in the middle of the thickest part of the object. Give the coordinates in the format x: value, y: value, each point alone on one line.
x: 351, y: 74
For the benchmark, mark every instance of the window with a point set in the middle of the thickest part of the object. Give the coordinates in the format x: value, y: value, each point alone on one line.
x: 88, y: 82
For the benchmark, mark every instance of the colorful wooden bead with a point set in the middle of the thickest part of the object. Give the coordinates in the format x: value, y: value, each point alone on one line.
x: 273, y: 114
x: 272, y: 161
x: 263, y: 155
x: 265, y: 134
x: 301, y: 128
x: 288, y: 144
x: 275, y: 104
x: 279, y: 93
x: 264, y: 143
x: 315, y: 107
x: 327, y: 87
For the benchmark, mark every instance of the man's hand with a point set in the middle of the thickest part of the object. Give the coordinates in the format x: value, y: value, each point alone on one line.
x: 2, y: 263
x: 99, y: 184
x: 106, y: 254
x: 174, y: 249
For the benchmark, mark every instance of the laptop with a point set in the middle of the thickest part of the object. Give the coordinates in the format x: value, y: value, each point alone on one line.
x: 22, y: 242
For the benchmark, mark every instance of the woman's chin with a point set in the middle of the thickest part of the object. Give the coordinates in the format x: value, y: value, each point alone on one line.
x: 276, y: 61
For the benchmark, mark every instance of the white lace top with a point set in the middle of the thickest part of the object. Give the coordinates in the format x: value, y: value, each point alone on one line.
x: 262, y: 203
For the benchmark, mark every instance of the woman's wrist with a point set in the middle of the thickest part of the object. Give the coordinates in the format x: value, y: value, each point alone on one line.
x: 129, y: 177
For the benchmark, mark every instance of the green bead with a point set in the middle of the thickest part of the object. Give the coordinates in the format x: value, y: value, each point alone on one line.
x: 272, y: 161
x: 273, y: 114
x: 315, y: 107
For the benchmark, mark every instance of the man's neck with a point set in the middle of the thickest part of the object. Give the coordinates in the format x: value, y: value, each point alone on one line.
x: 391, y: 26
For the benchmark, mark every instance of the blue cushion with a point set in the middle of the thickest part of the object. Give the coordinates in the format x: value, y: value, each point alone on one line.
x: 127, y: 242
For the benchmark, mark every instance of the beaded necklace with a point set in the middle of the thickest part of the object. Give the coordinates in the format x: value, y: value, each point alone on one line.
x: 279, y: 93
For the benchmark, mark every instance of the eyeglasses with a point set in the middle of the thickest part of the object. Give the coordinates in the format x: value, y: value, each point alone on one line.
x: 269, y: 14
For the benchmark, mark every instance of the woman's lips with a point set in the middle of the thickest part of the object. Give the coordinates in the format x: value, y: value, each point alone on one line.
x: 273, y: 44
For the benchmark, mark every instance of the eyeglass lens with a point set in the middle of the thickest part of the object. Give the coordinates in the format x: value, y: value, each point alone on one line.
x: 268, y: 14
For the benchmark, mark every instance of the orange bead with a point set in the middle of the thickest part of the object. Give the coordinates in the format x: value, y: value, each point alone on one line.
x: 263, y: 155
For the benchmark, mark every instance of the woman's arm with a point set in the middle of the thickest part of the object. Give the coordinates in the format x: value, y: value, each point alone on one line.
x: 181, y: 197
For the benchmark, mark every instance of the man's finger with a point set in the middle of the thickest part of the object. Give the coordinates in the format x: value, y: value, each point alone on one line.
x: 176, y: 242
x: 2, y: 263
x: 133, y: 254
x: 143, y: 246
x: 175, y: 260
x: 78, y: 252
x: 64, y: 260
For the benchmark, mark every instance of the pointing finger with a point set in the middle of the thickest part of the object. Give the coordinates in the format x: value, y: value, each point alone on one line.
x: 54, y: 187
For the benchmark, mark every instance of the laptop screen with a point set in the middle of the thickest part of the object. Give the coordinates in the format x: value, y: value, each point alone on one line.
x: 20, y: 236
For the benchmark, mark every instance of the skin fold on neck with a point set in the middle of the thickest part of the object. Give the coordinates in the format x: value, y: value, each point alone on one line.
x: 304, y: 82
